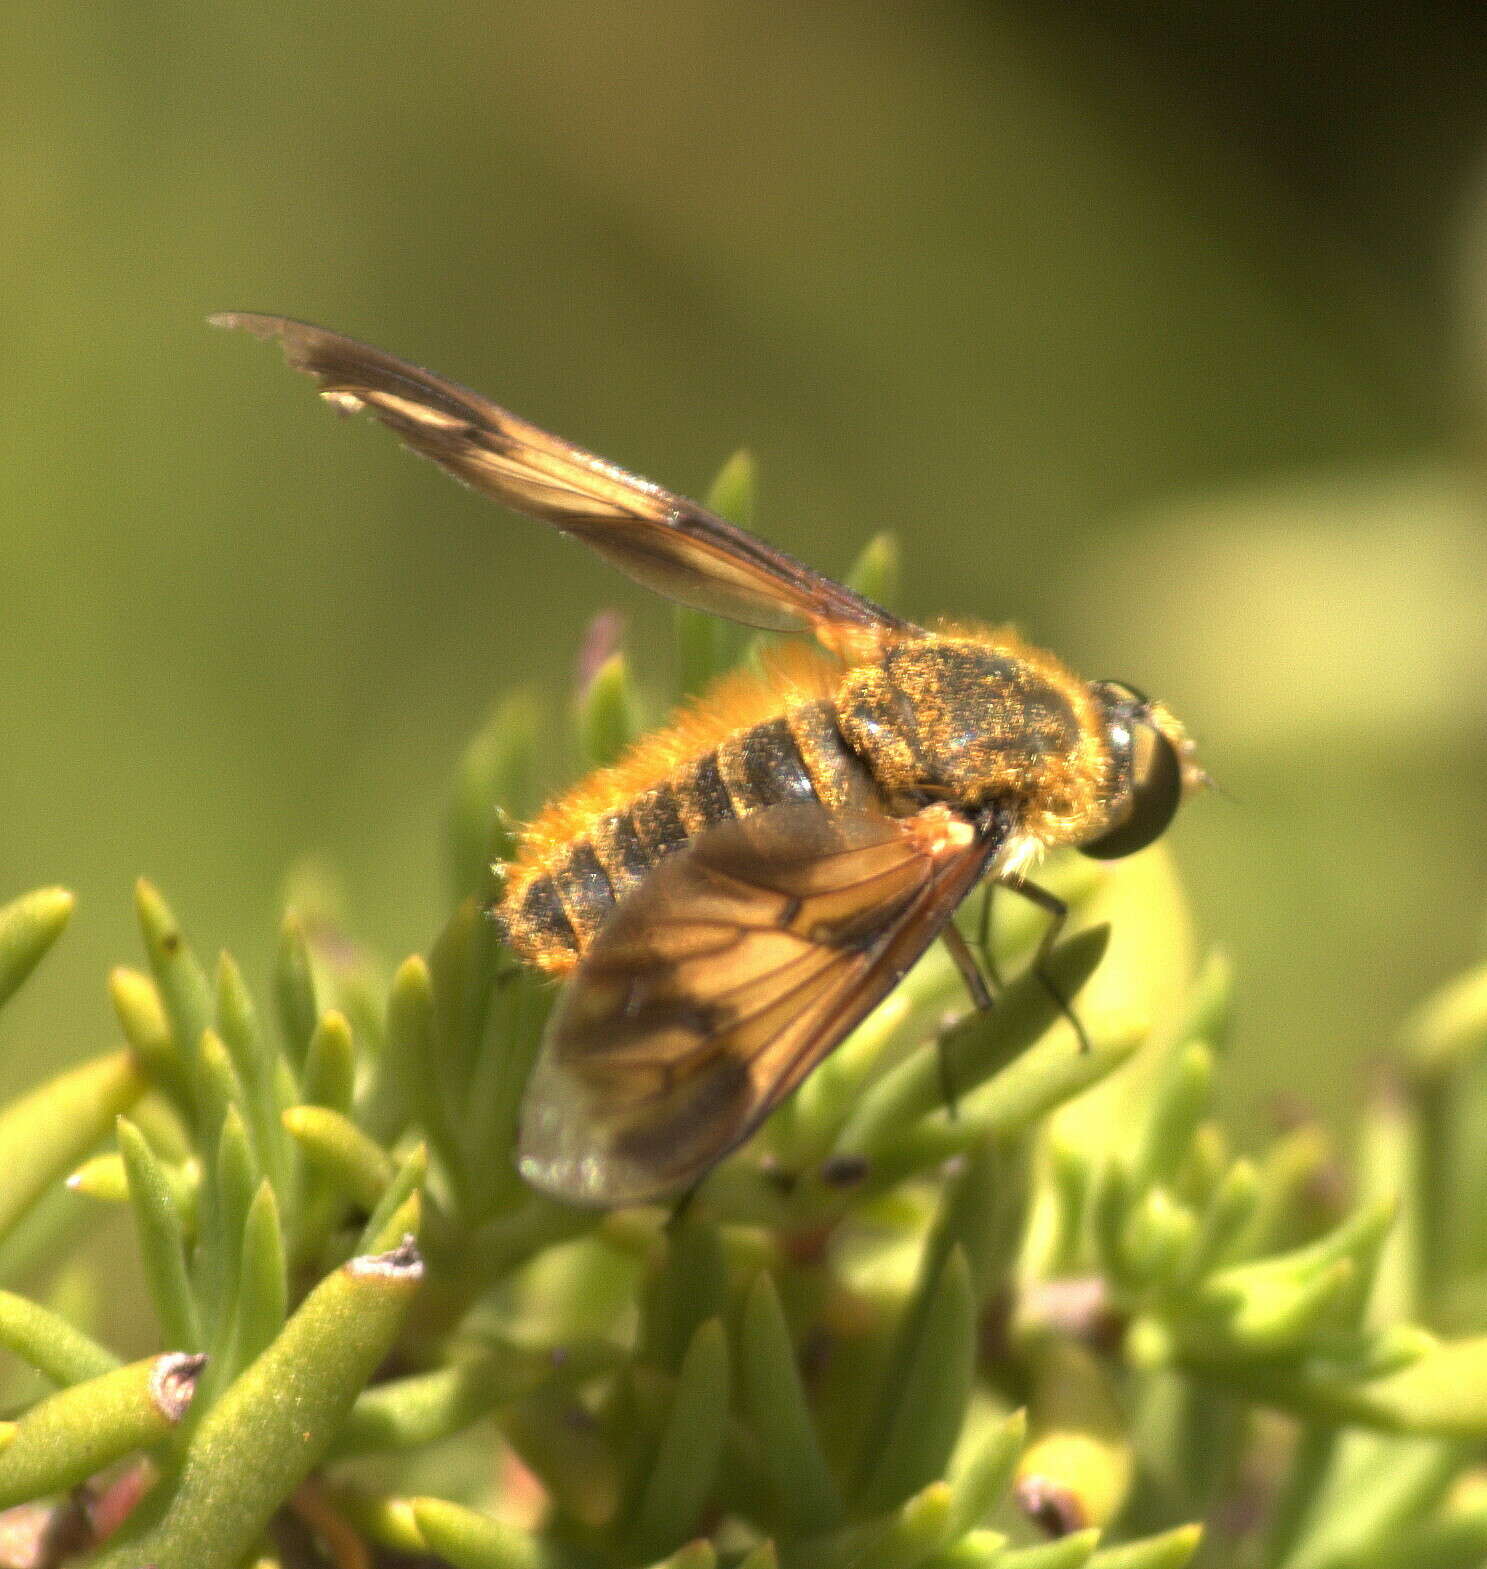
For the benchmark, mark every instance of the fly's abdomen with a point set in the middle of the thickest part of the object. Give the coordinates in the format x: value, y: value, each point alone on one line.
x: 797, y: 756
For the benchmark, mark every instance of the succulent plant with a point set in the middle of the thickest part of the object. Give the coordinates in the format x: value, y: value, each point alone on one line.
x: 1061, y: 1322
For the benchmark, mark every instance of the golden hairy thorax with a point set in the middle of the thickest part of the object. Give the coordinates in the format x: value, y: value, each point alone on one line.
x: 967, y: 716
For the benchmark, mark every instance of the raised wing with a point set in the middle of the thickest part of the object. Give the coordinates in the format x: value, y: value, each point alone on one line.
x: 739, y: 964
x: 662, y: 540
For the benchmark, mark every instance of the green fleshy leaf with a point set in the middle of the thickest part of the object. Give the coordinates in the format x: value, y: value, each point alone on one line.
x: 1179, y: 1100
x: 65, y: 1438
x: 330, y: 1063
x: 1037, y: 1082
x: 238, y: 1176
x: 1458, y: 1540
x: 356, y: 1165
x: 142, y: 1017
x: 294, y: 989
x: 1077, y: 1469
x: 1069, y: 1552
x: 404, y: 1413
x: 1209, y: 1009
x: 1070, y: 1182
x: 876, y: 571
x: 54, y: 1227
x: 1272, y: 1316
x: 386, y: 1521
x: 705, y: 650
x: 695, y: 1555
x: 224, y: 1211
x: 464, y: 965
x: 185, y: 992
x: 917, y: 1529
x: 28, y: 928
x: 1368, y: 1496
x: 1269, y: 1306
x: 263, y: 1287
x: 405, y: 1221
x: 983, y: 1214
x: 411, y: 1052
x: 1109, y: 1207
x: 101, y: 1178
x: 218, y: 1087
x: 734, y: 493
x: 256, y: 1063
x: 1026, y: 1083
x: 46, y: 1132
x: 1295, y: 1165
x: 496, y: 776
x: 1229, y: 1213
x: 271, y: 1427
x: 690, y: 1288
x: 925, y: 1390
x: 162, y: 1240
x: 473, y: 1541
x: 562, y: 1446
x: 685, y: 1468
x: 1442, y: 1393
x: 984, y: 1473
x: 1392, y: 1166
x: 607, y: 722
x: 407, y: 1182
x: 50, y: 1344
x: 977, y: 1550
x: 1170, y: 1550
x: 774, y: 1405
x: 909, y: 1535
x: 1158, y: 1237
x: 492, y: 1110
x: 500, y: 1245
x: 1450, y: 1028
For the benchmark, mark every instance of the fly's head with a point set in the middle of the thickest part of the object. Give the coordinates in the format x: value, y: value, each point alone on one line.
x: 1153, y: 765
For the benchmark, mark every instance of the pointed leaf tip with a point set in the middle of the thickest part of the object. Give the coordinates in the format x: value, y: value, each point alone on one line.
x: 682, y: 1477
x: 470, y: 1540
x: 734, y: 491
x: 1170, y: 1550
x: 29, y: 926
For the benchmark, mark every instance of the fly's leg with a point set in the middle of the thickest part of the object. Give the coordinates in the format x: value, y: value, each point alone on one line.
x: 970, y: 972
x: 682, y: 1208
x: 981, y: 999
x: 983, y: 939
x: 1058, y: 913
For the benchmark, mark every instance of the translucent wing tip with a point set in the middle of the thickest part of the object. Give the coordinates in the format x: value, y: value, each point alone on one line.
x: 250, y: 321
x: 561, y: 1148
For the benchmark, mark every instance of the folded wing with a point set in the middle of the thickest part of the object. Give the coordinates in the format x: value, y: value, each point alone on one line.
x: 739, y: 964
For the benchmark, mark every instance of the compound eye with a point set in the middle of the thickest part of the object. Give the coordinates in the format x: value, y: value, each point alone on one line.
x: 1156, y: 790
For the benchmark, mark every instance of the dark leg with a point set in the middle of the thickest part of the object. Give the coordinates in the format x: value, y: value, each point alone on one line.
x: 983, y: 938
x: 682, y: 1207
x: 1058, y: 913
x: 981, y: 1000
x: 970, y: 971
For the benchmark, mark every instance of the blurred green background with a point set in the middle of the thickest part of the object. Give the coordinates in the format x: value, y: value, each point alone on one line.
x: 1157, y: 329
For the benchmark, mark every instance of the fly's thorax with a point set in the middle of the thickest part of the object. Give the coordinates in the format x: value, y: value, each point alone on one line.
x: 982, y: 717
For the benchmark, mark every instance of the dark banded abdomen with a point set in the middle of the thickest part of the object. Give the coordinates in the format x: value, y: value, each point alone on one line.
x: 798, y: 756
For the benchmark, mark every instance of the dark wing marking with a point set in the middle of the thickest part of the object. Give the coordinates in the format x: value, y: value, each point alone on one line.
x: 662, y: 540
x: 739, y: 964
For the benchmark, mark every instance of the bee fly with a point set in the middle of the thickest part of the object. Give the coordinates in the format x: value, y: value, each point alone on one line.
x: 745, y: 886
